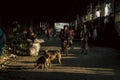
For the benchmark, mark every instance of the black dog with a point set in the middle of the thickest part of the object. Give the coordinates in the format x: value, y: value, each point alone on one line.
x: 43, y: 61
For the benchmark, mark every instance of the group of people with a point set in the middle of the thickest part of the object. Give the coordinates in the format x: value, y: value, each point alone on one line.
x: 51, y: 33
x: 67, y: 36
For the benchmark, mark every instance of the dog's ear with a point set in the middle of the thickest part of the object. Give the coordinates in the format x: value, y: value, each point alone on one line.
x: 46, y: 50
x: 57, y: 51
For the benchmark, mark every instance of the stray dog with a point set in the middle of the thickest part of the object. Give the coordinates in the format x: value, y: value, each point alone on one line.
x: 53, y: 55
x: 34, y: 49
x: 43, y: 61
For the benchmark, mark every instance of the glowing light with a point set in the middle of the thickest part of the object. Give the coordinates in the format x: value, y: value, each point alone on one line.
x: 107, y: 9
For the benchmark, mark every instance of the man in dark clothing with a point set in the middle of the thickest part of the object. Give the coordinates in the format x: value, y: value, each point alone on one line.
x: 64, y: 37
x: 61, y: 36
x: 65, y: 33
x: 30, y: 34
x: 84, y: 35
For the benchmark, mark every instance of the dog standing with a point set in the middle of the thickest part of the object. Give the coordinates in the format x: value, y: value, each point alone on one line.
x: 43, y: 61
x: 53, y: 55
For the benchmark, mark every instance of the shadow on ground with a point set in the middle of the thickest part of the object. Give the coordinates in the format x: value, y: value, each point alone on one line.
x: 44, y: 75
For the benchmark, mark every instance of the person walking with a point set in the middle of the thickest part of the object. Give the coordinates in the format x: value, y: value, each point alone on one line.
x: 71, y: 36
x: 84, y: 35
x: 64, y: 39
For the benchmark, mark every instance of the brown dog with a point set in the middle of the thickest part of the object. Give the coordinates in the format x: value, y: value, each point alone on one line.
x: 53, y: 55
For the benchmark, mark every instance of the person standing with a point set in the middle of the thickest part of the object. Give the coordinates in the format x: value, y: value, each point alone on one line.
x: 61, y: 39
x: 84, y: 35
x: 64, y: 39
x: 30, y: 34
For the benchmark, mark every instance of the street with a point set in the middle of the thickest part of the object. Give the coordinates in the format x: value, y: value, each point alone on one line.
x: 101, y: 63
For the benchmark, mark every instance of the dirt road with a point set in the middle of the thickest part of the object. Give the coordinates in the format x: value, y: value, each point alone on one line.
x: 99, y: 64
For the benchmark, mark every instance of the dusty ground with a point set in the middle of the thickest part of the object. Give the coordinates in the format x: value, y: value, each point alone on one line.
x: 100, y: 64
